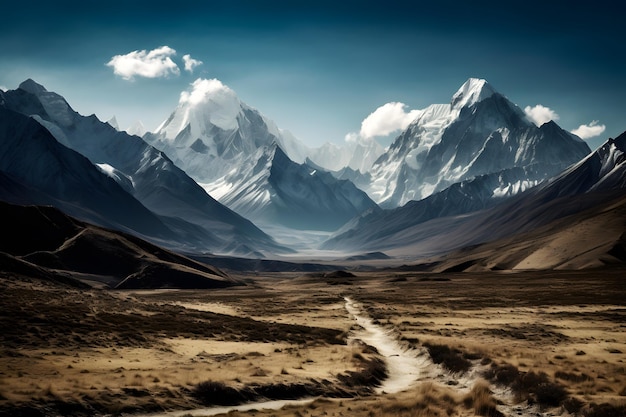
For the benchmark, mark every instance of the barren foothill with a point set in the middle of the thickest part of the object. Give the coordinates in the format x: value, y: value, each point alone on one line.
x: 86, y: 352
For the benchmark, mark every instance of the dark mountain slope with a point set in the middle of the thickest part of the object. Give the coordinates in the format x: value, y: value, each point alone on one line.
x: 45, y: 239
x: 594, y: 184
x: 39, y: 170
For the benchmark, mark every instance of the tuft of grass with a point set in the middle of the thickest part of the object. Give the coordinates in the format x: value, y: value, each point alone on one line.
x: 218, y: 393
x: 566, y: 376
x: 373, y: 372
x: 531, y: 386
x: 451, y: 359
x: 480, y: 398
x: 505, y: 374
x: 550, y: 394
x: 287, y: 391
x: 573, y: 405
x: 428, y: 400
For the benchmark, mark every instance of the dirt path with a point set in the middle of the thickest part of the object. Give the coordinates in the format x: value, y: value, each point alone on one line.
x: 405, y: 366
x: 219, y: 410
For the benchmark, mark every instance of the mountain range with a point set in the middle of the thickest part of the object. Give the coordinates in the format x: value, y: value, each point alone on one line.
x: 480, y: 132
x: 229, y: 148
x: 475, y: 171
x: 573, y: 220
x: 241, y: 158
x: 148, y: 185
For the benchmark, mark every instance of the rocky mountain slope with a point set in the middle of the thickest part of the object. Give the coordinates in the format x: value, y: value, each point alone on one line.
x: 144, y: 172
x: 478, y: 133
x: 593, y: 186
x: 242, y: 159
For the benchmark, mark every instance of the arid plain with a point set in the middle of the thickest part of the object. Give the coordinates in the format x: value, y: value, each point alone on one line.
x: 524, y: 343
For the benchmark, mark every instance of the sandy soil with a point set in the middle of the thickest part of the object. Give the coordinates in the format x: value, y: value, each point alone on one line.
x: 77, y: 352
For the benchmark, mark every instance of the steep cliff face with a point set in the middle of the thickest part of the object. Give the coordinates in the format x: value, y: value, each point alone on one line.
x: 479, y: 133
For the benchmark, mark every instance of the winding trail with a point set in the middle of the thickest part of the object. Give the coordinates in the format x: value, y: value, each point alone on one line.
x: 408, y: 367
x: 405, y: 366
x: 219, y: 410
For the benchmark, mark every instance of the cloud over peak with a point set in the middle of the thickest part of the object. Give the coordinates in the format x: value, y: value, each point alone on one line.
x: 202, y: 89
x: 157, y: 63
x: 386, y: 119
x: 540, y: 114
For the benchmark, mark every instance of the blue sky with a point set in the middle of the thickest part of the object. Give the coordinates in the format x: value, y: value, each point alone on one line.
x: 319, y: 68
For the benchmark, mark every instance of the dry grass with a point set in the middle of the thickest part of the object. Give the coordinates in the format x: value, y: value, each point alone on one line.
x: 89, y: 352
x: 481, y: 400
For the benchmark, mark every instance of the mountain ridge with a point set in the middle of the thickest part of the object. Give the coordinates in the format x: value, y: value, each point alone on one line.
x: 240, y: 157
x: 589, y: 184
x: 59, y: 248
x: 148, y: 174
x: 54, y: 174
x: 480, y: 132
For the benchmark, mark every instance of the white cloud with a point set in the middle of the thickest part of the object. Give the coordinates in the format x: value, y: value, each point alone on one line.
x: 386, y: 119
x: 191, y: 63
x: 591, y: 130
x: 215, y: 100
x: 201, y: 88
x: 3, y: 88
x: 352, y: 137
x: 540, y: 114
x: 150, y: 64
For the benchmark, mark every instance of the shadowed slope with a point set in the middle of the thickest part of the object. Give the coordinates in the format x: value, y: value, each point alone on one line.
x: 39, y: 170
x: 47, y: 239
x: 577, y: 212
x: 589, y: 239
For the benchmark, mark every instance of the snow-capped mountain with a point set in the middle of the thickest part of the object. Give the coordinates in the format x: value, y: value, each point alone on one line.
x: 479, y: 132
x: 144, y: 172
x: 574, y: 221
x: 246, y: 162
x: 137, y: 129
x: 463, y: 197
x: 271, y: 188
x: 358, y: 154
x: 602, y: 170
x: 590, y: 184
x: 36, y: 169
x: 212, y: 132
x: 113, y: 122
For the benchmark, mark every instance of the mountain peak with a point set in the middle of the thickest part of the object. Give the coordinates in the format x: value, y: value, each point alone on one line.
x: 471, y: 92
x: 113, y: 122
x: 207, y: 101
x: 32, y: 87
x: 137, y: 129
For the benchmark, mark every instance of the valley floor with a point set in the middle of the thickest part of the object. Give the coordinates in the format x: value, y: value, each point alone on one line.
x: 488, y: 344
